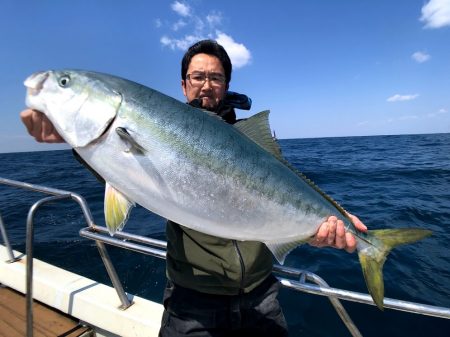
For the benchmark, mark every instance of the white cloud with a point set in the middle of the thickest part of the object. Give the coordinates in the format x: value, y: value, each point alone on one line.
x: 214, y: 18
x: 197, y: 27
x: 181, y: 8
x: 158, y: 23
x: 399, y: 98
x: 407, y: 117
x: 404, y: 119
x: 179, y: 24
x: 198, y: 23
x: 436, y: 13
x: 239, y: 54
x: 440, y: 112
x: 181, y: 44
x: 166, y: 41
x: 420, y: 57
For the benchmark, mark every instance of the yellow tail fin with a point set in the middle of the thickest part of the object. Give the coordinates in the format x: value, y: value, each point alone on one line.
x: 372, y: 257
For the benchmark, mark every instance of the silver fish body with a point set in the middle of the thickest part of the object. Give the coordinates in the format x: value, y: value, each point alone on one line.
x: 187, y: 165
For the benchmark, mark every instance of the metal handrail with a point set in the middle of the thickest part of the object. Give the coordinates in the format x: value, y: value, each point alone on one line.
x: 57, y: 195
x: 298, y: 279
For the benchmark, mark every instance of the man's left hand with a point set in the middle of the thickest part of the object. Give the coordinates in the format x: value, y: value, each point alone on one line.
x: 332, y: 234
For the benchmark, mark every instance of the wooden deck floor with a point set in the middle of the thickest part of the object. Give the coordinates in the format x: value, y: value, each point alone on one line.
x: 47, y: 321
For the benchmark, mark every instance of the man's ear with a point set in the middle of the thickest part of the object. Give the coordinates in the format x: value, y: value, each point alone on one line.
x: 183, y: 87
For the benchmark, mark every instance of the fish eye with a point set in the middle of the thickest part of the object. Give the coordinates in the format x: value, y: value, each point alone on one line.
x: 64, y: 81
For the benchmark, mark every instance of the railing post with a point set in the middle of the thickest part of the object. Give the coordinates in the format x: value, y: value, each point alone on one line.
x: 303, y: 276
x: 6, y: 241
x: 337, y: 305
x: 29, y: 253
x: 104, y: 255
x: 113, y: 275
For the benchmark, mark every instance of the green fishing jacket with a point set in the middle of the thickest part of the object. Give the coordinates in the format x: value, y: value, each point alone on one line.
x: 215, y: 265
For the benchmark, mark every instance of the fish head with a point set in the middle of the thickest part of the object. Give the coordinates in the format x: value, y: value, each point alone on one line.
x: 79, y: 104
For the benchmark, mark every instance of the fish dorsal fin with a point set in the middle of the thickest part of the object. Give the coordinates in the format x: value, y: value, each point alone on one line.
x: 117, y: 209
x: 257, y: 128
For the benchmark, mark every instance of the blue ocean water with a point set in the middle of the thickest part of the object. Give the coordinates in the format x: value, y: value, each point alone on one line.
x: 387, y: 181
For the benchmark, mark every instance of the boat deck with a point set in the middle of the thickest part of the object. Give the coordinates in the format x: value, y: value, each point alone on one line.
x: 73, y: 296
x: 47, y: 321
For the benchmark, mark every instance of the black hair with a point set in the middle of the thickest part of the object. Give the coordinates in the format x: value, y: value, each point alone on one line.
x: 209, y: 47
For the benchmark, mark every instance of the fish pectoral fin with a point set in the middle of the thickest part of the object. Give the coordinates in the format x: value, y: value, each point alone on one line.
x: 117, y: 209
x: 281, y: 249
x: 257, y: 128
x: 372, y: 259
x: 133, y: 145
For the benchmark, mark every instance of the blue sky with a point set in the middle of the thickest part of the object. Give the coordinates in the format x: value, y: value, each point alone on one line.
x: 323, y: 67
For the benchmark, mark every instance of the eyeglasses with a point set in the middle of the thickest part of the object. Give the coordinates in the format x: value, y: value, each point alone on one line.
x: 198, y: 79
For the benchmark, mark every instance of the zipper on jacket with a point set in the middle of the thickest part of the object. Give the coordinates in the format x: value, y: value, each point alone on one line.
x: 241, y: 262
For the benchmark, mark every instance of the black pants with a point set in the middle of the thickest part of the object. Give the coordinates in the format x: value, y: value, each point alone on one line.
x: 191, y: 313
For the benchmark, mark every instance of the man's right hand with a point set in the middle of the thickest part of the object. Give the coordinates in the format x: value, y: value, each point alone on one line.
x: 40, y: 127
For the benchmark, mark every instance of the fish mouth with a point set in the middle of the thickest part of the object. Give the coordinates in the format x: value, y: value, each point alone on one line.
x: 35, y: 82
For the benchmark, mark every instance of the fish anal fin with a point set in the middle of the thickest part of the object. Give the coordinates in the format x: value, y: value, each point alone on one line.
x: 257, y: 128
x: 281, y: 249
x: 117, y: 209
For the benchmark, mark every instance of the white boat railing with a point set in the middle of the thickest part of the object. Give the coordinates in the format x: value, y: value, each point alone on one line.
x: 299, y: 280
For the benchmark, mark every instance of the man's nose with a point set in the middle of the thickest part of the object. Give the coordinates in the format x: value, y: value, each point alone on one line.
x: 207, y: 84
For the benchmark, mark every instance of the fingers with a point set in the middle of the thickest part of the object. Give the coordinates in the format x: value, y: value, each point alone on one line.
x: 340, y: 241
x: 49, y: 133
x: 358, y: 224
x: 322, y: 233
x: 36, y: 125
x: 332, y: 233
x: 40, y: 127
x: 47, y: 127
x: 350, y: 242
x: 33, y: 122
x: 332, y: 226
x: 27, y: 120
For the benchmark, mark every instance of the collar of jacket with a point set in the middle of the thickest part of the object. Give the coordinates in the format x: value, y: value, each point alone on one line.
x: 226, y: 107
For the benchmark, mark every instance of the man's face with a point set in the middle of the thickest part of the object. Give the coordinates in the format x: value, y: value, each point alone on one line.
x: 211, y: 90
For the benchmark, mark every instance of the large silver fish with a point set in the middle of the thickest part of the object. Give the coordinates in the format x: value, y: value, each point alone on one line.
x: 189, y: 166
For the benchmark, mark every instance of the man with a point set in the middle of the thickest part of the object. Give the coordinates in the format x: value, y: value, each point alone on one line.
x: 216, y: 286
